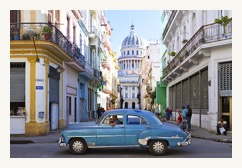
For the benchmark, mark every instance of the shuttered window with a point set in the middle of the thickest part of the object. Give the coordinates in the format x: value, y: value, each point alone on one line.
x: 185, y: 90
x: 194, y: 92
x: 178, y: 96
x: 17, y: 82
x: 225, y: 79
x: 54, y: 78
x: 204, y: 89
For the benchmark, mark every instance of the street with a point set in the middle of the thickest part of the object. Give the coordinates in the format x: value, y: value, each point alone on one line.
x: 199, y: 148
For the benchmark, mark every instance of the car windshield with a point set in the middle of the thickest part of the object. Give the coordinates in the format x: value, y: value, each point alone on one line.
x: 156, y: 119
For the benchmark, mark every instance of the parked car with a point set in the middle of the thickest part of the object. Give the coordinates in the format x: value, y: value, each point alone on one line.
x: 137, y: 128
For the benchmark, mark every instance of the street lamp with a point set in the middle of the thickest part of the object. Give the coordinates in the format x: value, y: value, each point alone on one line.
x: 59, y: 69
x: 32, y: 35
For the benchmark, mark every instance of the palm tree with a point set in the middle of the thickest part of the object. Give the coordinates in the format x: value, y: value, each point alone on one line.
x: 224, y: 21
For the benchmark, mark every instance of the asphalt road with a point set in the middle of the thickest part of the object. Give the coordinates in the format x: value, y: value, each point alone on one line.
x: 200, y: 148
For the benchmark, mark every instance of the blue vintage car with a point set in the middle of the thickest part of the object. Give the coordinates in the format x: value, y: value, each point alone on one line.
x: 134, y: 128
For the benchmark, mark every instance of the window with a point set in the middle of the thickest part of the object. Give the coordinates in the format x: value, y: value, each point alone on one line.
x: 68, y: 28
x: 126, y: 95
x: 50, y: 15
x: 135, y: 120
x: 132, y: 52
x: 137, y: 52
x: 109, y: 118
x: 57, y: 17
x: 133, y: 88
x: 133, y: 95
x: 124, y: 52
x: 128, y: 53
x: 74, y: 34
x: 126, y: 88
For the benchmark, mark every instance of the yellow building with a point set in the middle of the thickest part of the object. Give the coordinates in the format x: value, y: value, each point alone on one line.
x: 43, y: 57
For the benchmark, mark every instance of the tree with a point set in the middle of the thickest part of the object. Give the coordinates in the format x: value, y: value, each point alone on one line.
x: 224, y: 21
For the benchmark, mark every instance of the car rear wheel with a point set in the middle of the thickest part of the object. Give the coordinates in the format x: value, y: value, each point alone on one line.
x: 158, y: 147
x: 78, y: 146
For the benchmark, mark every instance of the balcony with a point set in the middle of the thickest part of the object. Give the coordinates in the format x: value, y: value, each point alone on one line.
x: 28, y: 31
x: 190, y: 53
x: 88, y: 72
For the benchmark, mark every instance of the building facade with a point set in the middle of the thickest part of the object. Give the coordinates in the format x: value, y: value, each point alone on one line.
x: 132, y: 52
x: 55, y: 60
x: 44, y: 66
x: 199, y: 72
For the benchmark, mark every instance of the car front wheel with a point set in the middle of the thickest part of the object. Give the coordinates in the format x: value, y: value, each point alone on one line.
x: 78, y: 146
x: 158, y: 147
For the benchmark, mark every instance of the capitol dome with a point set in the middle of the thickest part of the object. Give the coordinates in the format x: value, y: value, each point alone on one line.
x: 132, y: 39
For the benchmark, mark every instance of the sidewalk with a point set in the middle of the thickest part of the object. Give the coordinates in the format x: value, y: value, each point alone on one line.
x: 53, y: 137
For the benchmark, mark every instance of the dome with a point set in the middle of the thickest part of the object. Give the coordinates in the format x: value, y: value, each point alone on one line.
x: 132, y: 39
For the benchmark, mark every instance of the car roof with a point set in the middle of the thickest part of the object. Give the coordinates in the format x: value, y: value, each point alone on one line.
x: 152, y: 119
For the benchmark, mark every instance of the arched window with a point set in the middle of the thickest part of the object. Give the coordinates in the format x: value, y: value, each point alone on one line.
x: 126, y: 105
x: 128, y: 53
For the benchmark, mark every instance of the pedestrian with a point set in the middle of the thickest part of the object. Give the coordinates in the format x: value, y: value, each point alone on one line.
x: 157, y: 112
x: 168, y: 113
x: 99, y: 112
x: 184, y: 111
x: 189, y: 117
x: 222, y: 127
x: 180, y: 119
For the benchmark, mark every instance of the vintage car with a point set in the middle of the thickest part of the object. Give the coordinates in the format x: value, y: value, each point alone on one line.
x: 136, y: 128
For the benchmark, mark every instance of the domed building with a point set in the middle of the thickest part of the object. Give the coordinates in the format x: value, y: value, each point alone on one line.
x: 132, y: 52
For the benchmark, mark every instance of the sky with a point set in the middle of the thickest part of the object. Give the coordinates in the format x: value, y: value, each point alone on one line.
x: 147, y: 25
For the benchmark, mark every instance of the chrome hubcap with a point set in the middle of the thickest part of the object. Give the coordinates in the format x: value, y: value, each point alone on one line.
x: 158, y: 146
x: 77, y: 146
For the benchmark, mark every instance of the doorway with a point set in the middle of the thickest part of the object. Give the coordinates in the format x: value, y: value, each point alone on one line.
x: 226, y: 110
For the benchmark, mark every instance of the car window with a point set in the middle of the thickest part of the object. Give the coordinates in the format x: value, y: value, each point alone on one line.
x: 109, y: 119
x: 137, y: 120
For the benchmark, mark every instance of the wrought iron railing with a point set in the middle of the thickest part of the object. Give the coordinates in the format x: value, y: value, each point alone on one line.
x: 89, y: 69
x: 206, y: 34
x: 28, y: 31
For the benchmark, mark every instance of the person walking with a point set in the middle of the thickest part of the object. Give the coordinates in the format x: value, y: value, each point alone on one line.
x: 180, y: 119
x: 168, y: 113
x: 189, y: 117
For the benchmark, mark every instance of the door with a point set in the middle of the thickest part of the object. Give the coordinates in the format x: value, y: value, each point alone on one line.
x: 111, y: 135
x: 134, y: 126
x: 226, y: 110
x: 54, y: 116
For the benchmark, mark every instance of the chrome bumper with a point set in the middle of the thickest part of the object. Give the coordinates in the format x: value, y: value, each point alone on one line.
x: 186, y: 141
x: 61, y: 143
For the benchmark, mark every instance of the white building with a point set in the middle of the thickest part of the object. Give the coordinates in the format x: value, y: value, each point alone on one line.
x: 132, y: 51
x: 150, y: 74
x: 200, y: 73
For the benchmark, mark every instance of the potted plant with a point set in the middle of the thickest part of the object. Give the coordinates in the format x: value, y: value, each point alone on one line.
x: 47, y: 32
x: 16, y: 34
x: 224, y: 21
x: 172, y: 53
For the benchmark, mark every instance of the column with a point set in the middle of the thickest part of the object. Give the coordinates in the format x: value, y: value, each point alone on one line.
x: 32, y: 89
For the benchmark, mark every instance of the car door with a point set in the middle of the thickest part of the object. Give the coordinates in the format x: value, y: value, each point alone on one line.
x: 135, y: 124
x: 111, y: 135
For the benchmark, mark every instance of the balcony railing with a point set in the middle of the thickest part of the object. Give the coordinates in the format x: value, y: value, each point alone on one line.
x: 206, y: 34
x: 27, y: 31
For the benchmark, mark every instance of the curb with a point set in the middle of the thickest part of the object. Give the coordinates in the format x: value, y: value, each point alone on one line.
x: 213, y: 139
